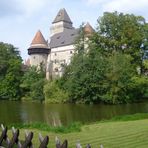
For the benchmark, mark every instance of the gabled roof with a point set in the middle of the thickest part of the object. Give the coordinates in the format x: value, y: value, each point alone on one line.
x: 39, y: 41
x: 64, y: 38
x: 62, y: 16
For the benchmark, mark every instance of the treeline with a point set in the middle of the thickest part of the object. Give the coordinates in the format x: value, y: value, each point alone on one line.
x: 112, y: 68
x: 19, y: 82
x: 10, y: 72
x: 108, y: 66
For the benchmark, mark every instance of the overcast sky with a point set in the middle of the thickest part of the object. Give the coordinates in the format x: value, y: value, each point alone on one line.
x: 20, y: 19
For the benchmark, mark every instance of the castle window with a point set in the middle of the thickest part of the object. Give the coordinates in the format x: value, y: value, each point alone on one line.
x: 71, y: 52
x: 55, y: 54
x: 55, y: 61
x: 34, y: 57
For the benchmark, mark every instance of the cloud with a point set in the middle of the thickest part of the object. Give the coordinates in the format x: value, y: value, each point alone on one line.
x: 24, y: 7
x: 94, y: 2
x: 137, y: 7
x: 125, y: 5
x: 7, y: 8
x: 128, y: 6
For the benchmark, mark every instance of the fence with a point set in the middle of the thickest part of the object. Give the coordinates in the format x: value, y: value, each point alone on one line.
x: 5, y: 142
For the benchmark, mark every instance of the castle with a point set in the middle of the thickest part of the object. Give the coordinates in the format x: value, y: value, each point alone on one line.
x: 58, y: 50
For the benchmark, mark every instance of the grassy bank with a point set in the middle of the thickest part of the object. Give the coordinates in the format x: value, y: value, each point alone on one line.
x: 74, y: 127
x: 132, y: 117
x: 127, y: 131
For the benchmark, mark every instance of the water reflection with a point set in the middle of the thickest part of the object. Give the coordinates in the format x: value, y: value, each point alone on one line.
x: 63, y: 114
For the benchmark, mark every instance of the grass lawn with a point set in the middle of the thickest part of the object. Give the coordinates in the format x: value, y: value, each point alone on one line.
x: 112, y: 134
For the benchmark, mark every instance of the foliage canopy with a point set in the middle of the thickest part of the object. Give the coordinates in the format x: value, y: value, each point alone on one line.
x: 10, y: 72
x: 111, y: 69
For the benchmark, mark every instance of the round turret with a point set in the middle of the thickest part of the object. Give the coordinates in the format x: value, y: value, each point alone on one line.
x: 38, y: 50
x: 38, y: 45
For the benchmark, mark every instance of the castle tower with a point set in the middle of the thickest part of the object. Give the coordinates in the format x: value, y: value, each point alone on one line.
x: 61, y: 22
x: 38, y: 51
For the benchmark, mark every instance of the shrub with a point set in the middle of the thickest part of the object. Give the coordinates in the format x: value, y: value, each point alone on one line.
x: 54, y: 94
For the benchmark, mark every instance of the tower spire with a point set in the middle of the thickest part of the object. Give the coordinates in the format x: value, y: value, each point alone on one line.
x: 61, y: 22
x: 62, y: 16
x: 39, y: 40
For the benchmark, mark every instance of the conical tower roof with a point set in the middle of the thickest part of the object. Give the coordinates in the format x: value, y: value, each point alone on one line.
x: 38, y: 45
x: 88, y: 29
x: 62, y: 16
x: 39, y: 41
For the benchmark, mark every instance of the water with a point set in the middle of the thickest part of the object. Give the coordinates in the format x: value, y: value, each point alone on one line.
x: 63, y: 114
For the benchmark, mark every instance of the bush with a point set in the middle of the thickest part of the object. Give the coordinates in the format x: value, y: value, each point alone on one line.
x: 54, y: 94
x: 139, y: 87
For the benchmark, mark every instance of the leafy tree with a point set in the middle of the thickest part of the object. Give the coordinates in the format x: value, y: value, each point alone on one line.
x: 118, y: 78
x: 10, y: 72
x: 108, y: 70
x: 80, y: 41
x: 125, y: 33
x: 82, y: 78
x: 123, y: 39
x: 138, y: 88
x: 145, y: 42
x: 33, y: 83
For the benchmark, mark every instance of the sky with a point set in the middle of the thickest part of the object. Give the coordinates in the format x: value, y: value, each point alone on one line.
x: 21, y: 19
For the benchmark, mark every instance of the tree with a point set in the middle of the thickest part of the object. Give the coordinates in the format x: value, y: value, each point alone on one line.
x: 108, y: 71
x: 10, y: 72
x: 82, y: 78
x: 118, y: 79
x: 33, y: 83
x: 80, y: 41
x: 123, y: 39
x: 126, y: 33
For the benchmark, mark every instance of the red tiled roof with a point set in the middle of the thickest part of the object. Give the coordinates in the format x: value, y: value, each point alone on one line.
x: 88, y: 29
x: 39, y: 40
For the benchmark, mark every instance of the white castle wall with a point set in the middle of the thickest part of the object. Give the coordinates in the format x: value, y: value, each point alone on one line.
x: 59, y: 27
x: 58, y: 57
x: 37, y: 59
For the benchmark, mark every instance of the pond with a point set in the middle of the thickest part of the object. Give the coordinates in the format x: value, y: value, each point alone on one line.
x: 63, y: 114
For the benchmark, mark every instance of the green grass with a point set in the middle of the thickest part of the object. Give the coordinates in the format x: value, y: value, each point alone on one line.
x: 74, y: 127
x: 120, y: 134
x: 115, y: 133
x: 132, y: 117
